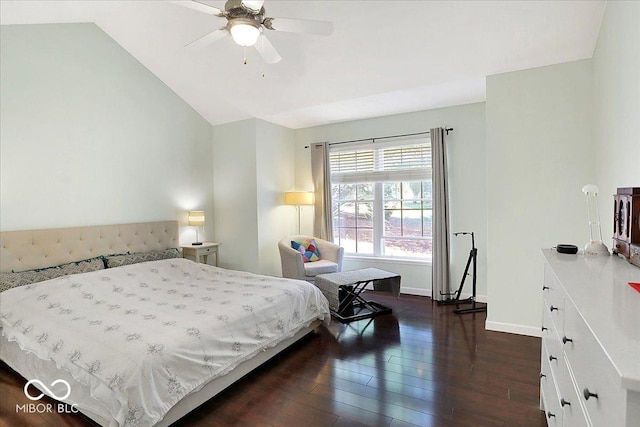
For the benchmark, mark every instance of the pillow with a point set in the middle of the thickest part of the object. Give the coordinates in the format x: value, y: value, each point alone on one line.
x: 127, y: 259
x: 13, y: 279
x: 307, y: 249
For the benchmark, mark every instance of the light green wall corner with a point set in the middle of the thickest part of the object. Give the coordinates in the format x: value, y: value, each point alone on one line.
x: 89, y: 136
x: 252, y: 166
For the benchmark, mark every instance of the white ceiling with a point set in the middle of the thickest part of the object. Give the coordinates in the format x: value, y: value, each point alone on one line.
x: 384, y: 57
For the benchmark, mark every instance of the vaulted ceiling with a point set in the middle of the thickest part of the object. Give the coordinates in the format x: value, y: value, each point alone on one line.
x: 384, y: 57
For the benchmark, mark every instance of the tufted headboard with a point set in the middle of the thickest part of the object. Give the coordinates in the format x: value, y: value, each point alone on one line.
x: 31, y: 249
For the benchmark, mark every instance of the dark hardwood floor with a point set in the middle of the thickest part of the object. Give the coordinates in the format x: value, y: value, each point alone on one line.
x: 420, y: 366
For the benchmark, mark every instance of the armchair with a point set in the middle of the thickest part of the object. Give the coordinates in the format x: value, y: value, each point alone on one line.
x: 294, y: 268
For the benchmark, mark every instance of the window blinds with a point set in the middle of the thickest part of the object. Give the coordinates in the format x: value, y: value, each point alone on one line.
x: 396, y: 160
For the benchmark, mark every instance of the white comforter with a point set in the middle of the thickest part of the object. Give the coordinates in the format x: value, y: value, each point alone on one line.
x: 143, y: 336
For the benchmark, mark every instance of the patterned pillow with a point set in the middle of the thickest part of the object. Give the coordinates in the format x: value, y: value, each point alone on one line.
x: 127, y: 259
x: 307, y: 249
x: 13, y: 279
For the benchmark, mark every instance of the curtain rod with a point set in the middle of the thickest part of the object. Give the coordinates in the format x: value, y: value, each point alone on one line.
x: 447, y: 130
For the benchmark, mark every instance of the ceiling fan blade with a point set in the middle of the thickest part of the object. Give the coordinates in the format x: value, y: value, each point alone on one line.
x: 253, y: 6
x: 193, y: 4
x: 266, y: 50
x: 321, y: 28
x: 208, y: 39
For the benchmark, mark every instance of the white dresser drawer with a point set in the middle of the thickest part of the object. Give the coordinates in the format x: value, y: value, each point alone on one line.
x: 552, y: 353
x: 550, y: 327
x: 553, y: 293
x: 572, y: 410
x: 551, y: 347
x: 593, y: 372
x: 551, y: 323
x: 549, y: 395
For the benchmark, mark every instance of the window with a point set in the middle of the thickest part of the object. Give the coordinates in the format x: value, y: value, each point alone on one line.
x: 381, y: 197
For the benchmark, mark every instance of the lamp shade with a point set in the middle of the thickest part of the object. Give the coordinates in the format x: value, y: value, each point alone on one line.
x: 298, y: 198
x: 196, y: 217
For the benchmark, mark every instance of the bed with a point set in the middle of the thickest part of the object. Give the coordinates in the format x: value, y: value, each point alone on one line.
x: 142, y: 343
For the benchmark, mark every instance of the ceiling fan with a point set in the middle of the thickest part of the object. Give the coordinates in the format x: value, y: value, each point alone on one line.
x: 247, y: 22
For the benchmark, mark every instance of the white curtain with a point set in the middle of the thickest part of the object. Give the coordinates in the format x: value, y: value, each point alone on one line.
x: 322, y: 191
x: 440, y: 271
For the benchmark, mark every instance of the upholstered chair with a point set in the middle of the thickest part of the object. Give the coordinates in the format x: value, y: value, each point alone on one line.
x: 293, y: 266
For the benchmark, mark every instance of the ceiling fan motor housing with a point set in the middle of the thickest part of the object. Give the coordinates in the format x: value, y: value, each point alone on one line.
x: 236, y: 9
x: 240, y: 20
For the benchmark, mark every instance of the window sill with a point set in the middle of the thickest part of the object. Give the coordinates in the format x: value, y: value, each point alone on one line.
x: 403, y: 261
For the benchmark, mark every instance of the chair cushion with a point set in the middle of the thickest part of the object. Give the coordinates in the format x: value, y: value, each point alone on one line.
x: 323, y: 266
x: 307, y: 249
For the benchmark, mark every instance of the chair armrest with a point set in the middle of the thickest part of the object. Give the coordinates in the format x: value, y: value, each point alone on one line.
x: 291, y: 261
x: 330, y: 251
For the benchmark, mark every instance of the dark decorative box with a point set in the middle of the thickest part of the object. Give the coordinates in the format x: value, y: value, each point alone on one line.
x: 626, y: 223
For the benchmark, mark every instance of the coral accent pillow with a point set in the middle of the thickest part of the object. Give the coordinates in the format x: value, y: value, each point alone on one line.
x: 307, y: 249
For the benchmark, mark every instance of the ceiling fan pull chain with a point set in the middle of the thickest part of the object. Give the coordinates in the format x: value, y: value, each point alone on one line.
x: 245, y: 55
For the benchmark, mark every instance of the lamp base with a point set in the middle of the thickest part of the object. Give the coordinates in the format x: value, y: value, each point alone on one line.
x: 596, y: 247
x: 196, y: 244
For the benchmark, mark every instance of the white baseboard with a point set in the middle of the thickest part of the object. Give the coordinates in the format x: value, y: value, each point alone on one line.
x: 531, y: 331
x: 489, y: 325
x: 409, y: 291
x: 479, y: 298
x: 427, y: 293
x: 415, y: 291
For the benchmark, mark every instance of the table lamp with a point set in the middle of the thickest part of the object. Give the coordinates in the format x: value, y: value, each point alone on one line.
x: 196, y: 218
x: 595, y: 245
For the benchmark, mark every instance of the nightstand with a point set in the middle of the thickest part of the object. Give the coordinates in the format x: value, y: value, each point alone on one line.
x: 203, y: 250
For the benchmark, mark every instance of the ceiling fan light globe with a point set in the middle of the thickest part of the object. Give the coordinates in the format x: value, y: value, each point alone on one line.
x: 244, y: 34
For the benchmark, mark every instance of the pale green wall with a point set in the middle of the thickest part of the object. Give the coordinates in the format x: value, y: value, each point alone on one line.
x: 252, y: 170
x: 89, y: 136
x: 275, y: 175
x: 550, y: 131
x: 616, y: 69
x: 540, y: 153
x: 235, y: 189
x: 467, y: 169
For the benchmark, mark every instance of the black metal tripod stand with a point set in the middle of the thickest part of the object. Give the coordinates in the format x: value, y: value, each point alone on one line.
x: 472, y: 261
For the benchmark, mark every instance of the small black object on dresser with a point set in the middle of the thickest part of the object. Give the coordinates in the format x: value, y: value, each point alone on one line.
x: 567, y: 249
x: 626, y: 221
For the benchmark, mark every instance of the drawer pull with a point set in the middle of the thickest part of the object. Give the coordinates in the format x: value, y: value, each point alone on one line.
x: 563, y: 403
x: 566, y: 340
x: 544, y: 329
x: 552, y: 358
x: 549, y: 415
x: 552, y: 308
x: 542, y: 375
x: 588, y: 394
x: 544, y: 288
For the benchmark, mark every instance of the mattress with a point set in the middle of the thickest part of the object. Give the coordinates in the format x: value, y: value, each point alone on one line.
x: 140, y: 338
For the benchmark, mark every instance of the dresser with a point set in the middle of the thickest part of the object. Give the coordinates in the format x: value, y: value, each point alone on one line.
x: 590, y: 364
